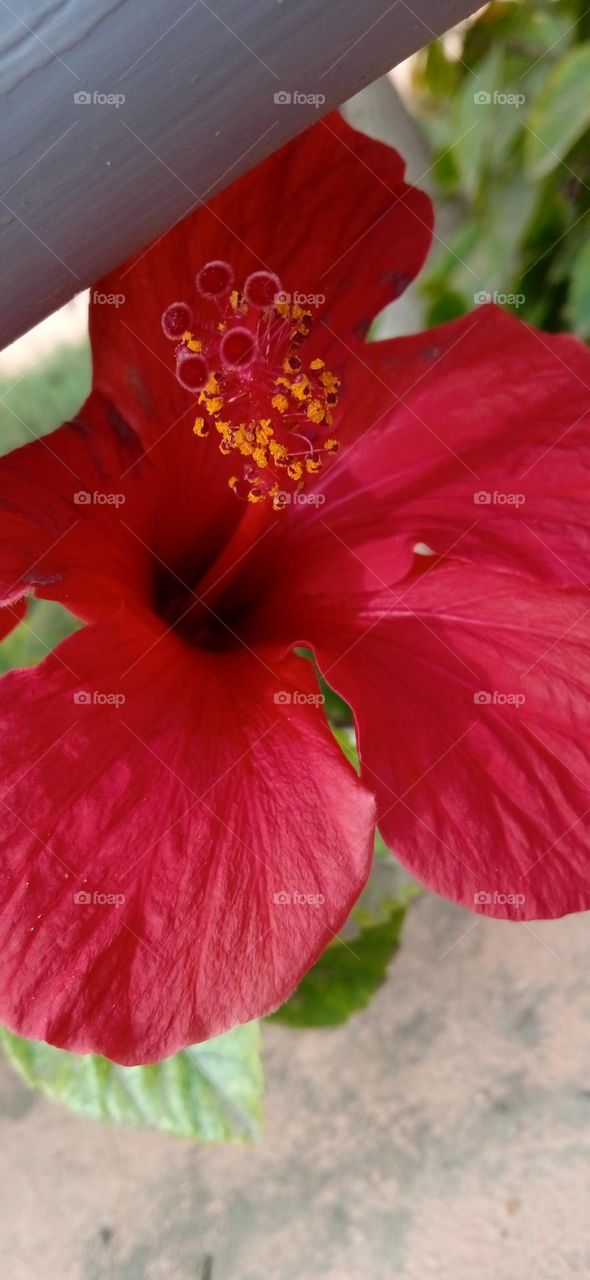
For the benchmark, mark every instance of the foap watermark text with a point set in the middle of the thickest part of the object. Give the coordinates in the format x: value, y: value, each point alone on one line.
x: 299, y: 299
x: 83, y: 898
x: 489, y: 898
x: 300, y: 499
x: 296, y: 98
x: 501, y: 299
x: 85, y: 98
x: 295, y: 698
x: 482, y: 98
x: 107, y: 299
x: 496, y: 698
x: 298, y: 899
x: 98, y: 499
x: 483, y: 498
x: 96, y: 698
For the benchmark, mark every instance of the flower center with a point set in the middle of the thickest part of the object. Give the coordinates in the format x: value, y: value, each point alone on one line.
x: 240, y: 352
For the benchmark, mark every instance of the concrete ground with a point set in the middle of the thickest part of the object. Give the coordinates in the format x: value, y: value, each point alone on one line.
x: 440, y: 1135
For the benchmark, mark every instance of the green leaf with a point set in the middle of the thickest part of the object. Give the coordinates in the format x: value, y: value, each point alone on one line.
x: 346, y: 743
x: 561, y: 112
x: 354, y: 966
x: 345, y: 740
x: 348, y: 974
x: 479, y: 128
x: 211, y: 1091
x: 441, y: 73
x: 447, y: 305
x: 579, y: 293
x: 45, y: 625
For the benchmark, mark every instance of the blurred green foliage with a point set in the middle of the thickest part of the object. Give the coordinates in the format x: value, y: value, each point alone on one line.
x: 46, y: 625
x: 506, y: 108
x: 40, y: 398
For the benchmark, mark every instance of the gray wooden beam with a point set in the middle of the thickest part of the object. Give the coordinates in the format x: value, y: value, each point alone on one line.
x: 118, y: 116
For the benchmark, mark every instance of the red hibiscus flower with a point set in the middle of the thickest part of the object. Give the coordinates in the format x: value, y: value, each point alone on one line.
x: 182, y: 837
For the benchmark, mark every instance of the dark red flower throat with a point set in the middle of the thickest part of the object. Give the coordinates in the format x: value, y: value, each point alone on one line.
x: 211, y: 613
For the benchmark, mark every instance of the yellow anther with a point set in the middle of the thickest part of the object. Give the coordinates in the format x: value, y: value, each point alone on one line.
x: 295, y: 391
x: 301, y: 390
x: 278, y: 453
x: 243, y: 440
x: 303, y: 323
x: 193, y: 344
x: 264, y: 431
x: 316, y: 411
x: 329, y: 381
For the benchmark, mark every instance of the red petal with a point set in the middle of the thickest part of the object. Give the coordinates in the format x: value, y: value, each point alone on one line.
x: 87, y: 515
x: 59, y: 535
x: 482, y: 405
x: 475, y: 438
x: 487, y: 799
x: 298, y: 214
x: 11, y: 614
x: 199, y: 799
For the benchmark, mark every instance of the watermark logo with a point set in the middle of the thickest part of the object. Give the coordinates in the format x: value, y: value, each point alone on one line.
x: 299, y: 499
x: 488, y: 898
x: 284, y: 98
x: 97, y: 99
x: 501, y: 299
x: 288, y: 698
x: 107, y: 299
x: 498, y: 99
x: 85, y: 499
x: 495, y: 698
x: 300, y: 299
x: 297, y: 899
x: 85, y: 899
x: 95, y: 698
x: 483, y: 498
